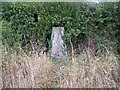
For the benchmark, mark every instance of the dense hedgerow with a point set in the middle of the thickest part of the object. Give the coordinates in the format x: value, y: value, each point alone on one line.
x: 23, y: 23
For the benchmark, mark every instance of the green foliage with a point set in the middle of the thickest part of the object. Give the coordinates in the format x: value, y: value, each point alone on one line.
x: 34, y: 22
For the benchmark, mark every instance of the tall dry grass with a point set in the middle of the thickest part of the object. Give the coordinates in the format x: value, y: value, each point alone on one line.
x: 84, y: 71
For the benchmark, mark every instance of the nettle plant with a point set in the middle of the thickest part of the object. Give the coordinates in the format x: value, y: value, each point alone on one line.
x: 33, y: 22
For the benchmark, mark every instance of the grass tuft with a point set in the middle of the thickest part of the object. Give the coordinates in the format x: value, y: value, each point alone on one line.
x: 85, y: 71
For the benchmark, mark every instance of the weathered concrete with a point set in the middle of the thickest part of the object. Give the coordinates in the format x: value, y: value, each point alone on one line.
x: 1, y: 82
x: 58, y: 49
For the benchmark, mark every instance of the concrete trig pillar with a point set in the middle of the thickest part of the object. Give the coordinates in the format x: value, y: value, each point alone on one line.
x: 58, y: 49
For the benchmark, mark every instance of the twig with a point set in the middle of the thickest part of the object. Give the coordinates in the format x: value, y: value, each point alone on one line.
x: 71, y: 48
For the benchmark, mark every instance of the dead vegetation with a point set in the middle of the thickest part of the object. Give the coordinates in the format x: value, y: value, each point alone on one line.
x: 22, y: 71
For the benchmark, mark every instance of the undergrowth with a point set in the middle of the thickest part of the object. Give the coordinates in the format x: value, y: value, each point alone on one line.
x: 39, y: 71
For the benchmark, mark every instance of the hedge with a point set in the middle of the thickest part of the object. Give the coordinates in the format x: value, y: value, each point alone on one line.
x: 24, y: 22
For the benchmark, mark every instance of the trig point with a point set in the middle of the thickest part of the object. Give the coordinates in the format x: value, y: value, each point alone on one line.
x: 58, y: 49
